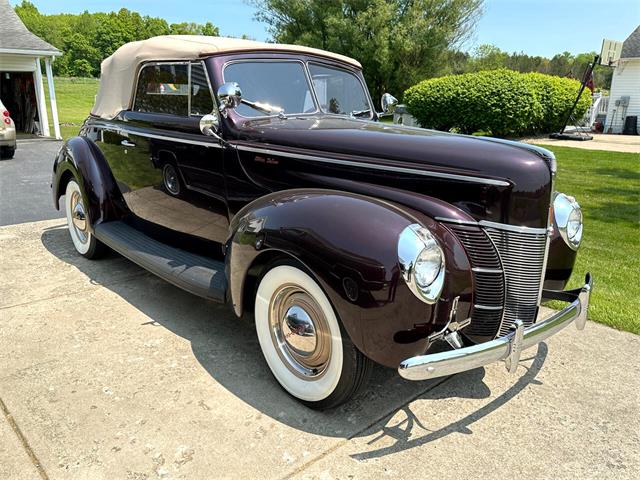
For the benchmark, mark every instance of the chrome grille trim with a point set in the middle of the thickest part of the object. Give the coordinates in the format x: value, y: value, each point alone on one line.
x: 487, y: 270
x: 511, y: 228
x: 523, y: 255
x: 487, y: 307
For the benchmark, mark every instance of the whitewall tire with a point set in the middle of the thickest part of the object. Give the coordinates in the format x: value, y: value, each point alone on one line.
x: 83, y: 240
x: 302, y: 340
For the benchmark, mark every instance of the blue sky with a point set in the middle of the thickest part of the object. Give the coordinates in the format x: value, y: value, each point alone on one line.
x: 537, y: 27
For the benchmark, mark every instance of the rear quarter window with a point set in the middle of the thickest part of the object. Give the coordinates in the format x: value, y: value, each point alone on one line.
x: 163, y: 89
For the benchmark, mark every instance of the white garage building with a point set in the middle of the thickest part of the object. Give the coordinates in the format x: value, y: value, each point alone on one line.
x: 624, y: 98
x: 21, y: 87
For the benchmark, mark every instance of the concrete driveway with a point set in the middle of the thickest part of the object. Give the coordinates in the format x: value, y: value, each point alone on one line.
x: 600, y: 141
x: 25, y: 181
x: 107, y: 372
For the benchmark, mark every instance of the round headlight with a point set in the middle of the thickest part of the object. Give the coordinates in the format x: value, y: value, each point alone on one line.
x: 421, y: 262
x: 428, y: 266
x: 568, y: 219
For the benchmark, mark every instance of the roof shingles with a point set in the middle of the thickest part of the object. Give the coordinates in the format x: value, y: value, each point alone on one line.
x: 631, y: 46
x: 15, y: 36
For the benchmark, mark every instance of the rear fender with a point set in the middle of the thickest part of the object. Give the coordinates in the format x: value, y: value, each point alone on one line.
x: 80, y: 158
x: 348, y: 242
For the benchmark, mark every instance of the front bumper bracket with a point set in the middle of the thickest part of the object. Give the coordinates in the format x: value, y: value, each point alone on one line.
x: 506, y: 348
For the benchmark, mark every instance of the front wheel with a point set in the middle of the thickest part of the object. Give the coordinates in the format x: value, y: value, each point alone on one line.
x: 84, y: 241
x: 303, y: 343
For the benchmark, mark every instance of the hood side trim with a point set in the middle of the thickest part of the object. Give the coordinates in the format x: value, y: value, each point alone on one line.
x: 314, y: 158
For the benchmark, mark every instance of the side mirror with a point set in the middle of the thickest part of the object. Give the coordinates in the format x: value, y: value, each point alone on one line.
x: 209, y: 125
x: 229, y: 95
x: 388, y: 103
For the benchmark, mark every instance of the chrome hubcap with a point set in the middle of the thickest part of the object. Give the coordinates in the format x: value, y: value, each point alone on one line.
x: 300, y: 332
x: 78, y: 216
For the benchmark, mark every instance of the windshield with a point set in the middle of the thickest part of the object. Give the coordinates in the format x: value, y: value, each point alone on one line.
x: 283, y: 85
x: 339, y: 91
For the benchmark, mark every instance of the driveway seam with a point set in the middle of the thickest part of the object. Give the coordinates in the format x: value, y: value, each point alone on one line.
x: 388, y: 413
x: 23, y: 440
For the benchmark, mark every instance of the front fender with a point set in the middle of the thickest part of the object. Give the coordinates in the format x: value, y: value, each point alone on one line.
x: 560, y: 261
x: 349, y: 243
x: 81, y: 158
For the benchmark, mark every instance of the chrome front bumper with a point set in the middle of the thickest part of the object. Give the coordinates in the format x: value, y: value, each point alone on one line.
x: 506, y: 348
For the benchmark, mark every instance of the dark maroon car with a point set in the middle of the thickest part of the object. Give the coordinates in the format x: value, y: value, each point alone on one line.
x: 350, y: 240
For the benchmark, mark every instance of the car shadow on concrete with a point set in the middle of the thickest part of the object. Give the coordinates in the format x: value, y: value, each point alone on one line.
x: 228, y: 350
x: 403, y: 433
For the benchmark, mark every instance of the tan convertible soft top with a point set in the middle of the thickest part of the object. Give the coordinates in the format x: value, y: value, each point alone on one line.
x: 119, y: 71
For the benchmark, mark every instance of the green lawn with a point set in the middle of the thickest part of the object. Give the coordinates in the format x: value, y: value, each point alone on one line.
x: 607, y: 186
x: 75, y: 98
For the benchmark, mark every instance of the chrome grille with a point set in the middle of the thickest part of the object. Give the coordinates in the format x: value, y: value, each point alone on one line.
x: 522, y: 255
x: 480, y: 249
x: 508, y: 269
x: 488, y: 281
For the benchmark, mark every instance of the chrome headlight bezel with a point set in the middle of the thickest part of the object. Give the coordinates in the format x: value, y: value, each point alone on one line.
x: 415, y: 240
x: 567, y: 216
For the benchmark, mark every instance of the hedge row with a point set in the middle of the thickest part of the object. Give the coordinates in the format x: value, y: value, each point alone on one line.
x: 501, y: 102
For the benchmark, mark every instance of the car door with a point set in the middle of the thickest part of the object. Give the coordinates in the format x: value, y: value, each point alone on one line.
x: 170, y: 174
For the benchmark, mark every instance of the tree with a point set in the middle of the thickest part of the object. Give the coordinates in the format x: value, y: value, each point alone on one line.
x: 190, y: 28
x: 81, y: 57
x: 88, y: 38
x: 398, y: 42
x: 488, y: 57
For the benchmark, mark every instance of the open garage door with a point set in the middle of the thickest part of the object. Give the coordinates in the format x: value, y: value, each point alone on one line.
x: 18, y: 95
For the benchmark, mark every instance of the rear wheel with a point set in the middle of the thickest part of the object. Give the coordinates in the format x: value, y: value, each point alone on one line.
x: 171, y: 180
x: 7, y: 152
x: 303, y: 343
x: 84, y: 241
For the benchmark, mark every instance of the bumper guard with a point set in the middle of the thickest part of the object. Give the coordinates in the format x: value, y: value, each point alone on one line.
x: 506, y: 348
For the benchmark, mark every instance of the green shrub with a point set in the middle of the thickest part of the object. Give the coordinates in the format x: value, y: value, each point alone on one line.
x: 503, y: 102
x: 557, y: 95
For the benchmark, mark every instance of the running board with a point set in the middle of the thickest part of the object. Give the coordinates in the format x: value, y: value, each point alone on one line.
x: 196, y: 274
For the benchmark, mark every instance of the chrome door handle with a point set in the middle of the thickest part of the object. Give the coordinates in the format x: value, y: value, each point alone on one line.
x: 127, y: 143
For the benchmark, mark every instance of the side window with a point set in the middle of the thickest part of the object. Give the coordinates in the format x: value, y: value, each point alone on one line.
x: 201, y: 101
x: 163, y: 88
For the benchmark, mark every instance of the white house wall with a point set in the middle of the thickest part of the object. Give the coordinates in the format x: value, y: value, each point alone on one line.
x: 625, y: 81
x: 16, y: 63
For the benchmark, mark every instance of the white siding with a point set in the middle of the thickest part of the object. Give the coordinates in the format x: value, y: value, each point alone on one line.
x: 625, y: 81
x: 17, y: 63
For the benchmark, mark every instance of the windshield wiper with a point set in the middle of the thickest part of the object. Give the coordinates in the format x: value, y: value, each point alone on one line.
x: 265, y: 108
x: 358, y: 113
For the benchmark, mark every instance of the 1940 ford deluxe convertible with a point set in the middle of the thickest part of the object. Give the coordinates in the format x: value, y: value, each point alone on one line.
x: 350, y: 240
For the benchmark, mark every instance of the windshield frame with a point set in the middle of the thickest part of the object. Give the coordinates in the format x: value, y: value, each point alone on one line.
x: 305, y: 67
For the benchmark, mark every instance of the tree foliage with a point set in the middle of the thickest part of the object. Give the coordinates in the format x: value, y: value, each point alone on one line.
x: 398, y: 42
x: 88, y: 38
x: 490, y: 57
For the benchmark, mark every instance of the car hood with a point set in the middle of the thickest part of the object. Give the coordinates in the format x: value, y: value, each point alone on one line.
x: 525, y: 170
